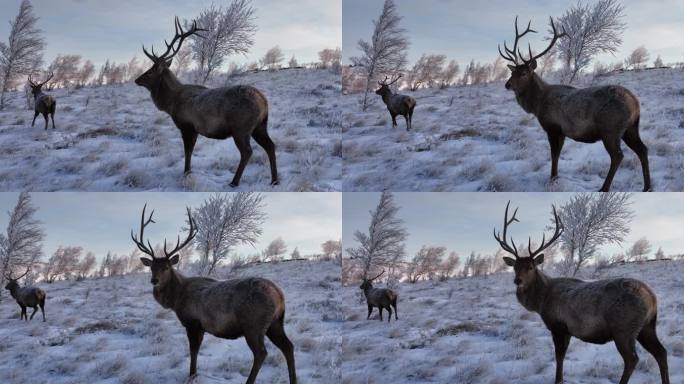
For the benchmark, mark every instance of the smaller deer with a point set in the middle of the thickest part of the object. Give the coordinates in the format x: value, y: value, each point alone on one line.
x: 43, y: 103
x: 26, y: 297
x: 248, y: 307
x: 621, y: 310
x: 397, y: 104
x: 379, y: 297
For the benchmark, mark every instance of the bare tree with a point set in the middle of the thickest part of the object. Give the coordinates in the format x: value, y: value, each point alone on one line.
x: 182, y: 61
x: 639, y: 250
x: 105, y: 266
x: 65, y: 70
x: 293, y: 62
x: 660, y: 255
x: 23, y: 53
x: 449, y: 74
x: 592, y: 221
x: 63, y: 264
x: 332, y: 250
x: 22, y: 245
x: 449, y: 266
x: 272, y: 58
x: 592, y: 28
x: 330, y: 57
x: 658, y: 63
x: 638, y: 59
x: 384, y: 240
x: 133, y: 69
x: 87, y: 265
x: 385, y: 54
x: 224, y: 221
x: 275, y: 250
x: 229, y: 31
x: 547, y: 62
x: 426, y: 263
x: 85, y: 73
x: 426, y: 71
x: 295, y: 254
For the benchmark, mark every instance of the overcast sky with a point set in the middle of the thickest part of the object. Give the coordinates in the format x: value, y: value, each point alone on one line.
x: 465, y: 30
x: 115, y: 30
x: 102, y: 222
x: 463, y: 222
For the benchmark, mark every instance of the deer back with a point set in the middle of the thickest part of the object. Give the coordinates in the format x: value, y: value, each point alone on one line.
x: 29, y: 296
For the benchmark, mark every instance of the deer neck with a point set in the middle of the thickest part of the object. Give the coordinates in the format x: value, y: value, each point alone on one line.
x: 165, y: 94
x: 14, y: 292
x: 532, y: 297
x: 531, y: 99
x: 366, y: 291
x: 386, y: 97
x: 168, y: 295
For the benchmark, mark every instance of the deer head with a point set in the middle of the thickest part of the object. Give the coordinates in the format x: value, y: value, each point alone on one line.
x: 13, y: 281
x: 37, y: 88
x: 161, y: 63
x: 522, y: 70
x: 368, y: 283
x: 525, y: 268
x: 161, y: 267
x: 385, y: 86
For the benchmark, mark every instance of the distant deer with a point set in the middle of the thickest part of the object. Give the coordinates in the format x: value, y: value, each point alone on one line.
x: 240, y: 111
x: 622, y: 310
x: 608, y: 113
x: 397, y: 104
x: 379, y: 297
x: 43, y: 103
x: 26, y: 297
x: 251, y: 307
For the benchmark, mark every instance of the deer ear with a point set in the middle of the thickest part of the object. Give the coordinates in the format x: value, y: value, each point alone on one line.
x: 533, y: 64
x: 168, y: 62
x: 511, y: 67
x: 146, y: 262
x: 539, y: 259
x: 174, y: 260
x: 510, y: 262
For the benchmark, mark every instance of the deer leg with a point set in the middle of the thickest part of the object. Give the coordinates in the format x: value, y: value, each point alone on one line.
x: 45, y: 116
x: 648, y: 339
x: 556, y: 141
x: 256, y: 344
x: 627, y: 349
x: 276, y: 333
x: 370, y: 310
x: 195, y: 337
x: 42, y: 309
x: 389, y: 310
x: 35, y: 309
x: 189, y: 140
x: 408, y: 123
x: 33, y: 124
x: 52, y: 117
x: 411, y: 117
x: 633, y: 141
x: 260, y: 135
x: 245, y: 149
x: 613, y: 147
x: 380, y: 310
x: 23, y: 313
x: 560, y: 342
x: 394, y: 304
x: 394, y: 121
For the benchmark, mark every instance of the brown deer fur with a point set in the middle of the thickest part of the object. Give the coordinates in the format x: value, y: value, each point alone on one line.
x: 247, y: 307
x: 397, y: 105
x: 609, y: 114
x: 26, y: 297
x: 42, y: 103
x: 240, y: 112
x: 380, y: 298
x: 620, y: 310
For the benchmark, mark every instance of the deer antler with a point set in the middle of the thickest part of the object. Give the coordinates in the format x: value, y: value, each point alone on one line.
x: 555, y: 38
x: 512, y: 249
x: 557, y: 233
x: 179, y: 37
x: 148, y: 249
x: 30, y: 80
x: 384, y: 82
x: 383, y: 271
x: 514, y: 55
x: 9, y: 276
x: 191, y: 235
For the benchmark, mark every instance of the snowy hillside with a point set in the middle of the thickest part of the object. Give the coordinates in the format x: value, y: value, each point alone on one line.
x: 113, y: 331
x: 474, y: 331
x: 114, y: 139
x: 477, y: 138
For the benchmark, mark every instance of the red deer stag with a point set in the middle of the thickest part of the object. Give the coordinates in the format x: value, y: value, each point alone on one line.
x: 240, y: 111
x: 622, y: 310
x: 609, y: 113
x: 379, y: 297
x: 397, y: 104
x: 250, y: 307
x: 26, y: 297
x: 42, y: 103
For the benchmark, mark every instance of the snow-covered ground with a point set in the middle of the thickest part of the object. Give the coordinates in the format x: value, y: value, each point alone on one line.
x: 477, y: 138
x: 114, y: 139
x: 113, y: 331
x: 474, y: 331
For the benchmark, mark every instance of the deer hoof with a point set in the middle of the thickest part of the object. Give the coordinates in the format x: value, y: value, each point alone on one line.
x: 233, y: 185
x: 275, y: 182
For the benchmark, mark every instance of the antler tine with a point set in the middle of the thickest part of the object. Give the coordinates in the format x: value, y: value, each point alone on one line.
x: 384, y: 82
x: 514, y: 54
x: 556, y: 234
x: 192, y: 232
x: 383, y: 271
x: 148, y: 249
x: 180, y: 36
x: 512, y: 249
x: 555, y: 38
x: 25, y: 273
x: 395, y: 80
x: 52, y: 74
